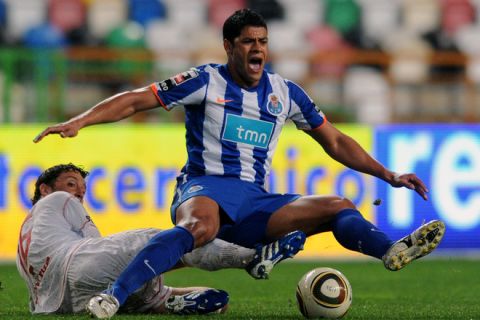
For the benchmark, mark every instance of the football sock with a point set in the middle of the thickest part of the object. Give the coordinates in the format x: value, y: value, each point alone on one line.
x: 355, y: 233
x: 219, y: 254
x: 160, y: 254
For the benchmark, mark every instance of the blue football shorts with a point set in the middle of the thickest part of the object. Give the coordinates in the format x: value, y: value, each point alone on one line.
x: 247, y: 205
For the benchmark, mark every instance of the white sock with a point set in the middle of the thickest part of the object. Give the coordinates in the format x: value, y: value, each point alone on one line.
x: 219, y: 254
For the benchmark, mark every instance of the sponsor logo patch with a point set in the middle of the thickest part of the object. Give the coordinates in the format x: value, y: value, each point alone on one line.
x: 249, y: 131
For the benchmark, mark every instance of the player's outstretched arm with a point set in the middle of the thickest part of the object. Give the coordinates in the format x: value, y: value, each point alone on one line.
x: 347, y: 151
x: 112, y: 109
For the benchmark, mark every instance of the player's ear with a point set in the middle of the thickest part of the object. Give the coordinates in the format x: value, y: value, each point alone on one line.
x: 45, y: 189
x: 228, y: 46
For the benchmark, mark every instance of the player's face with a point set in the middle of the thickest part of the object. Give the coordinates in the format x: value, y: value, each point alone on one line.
x: 71, y: 182
x: 247, y: 55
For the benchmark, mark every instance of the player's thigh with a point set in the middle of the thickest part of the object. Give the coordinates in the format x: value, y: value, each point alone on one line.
x: 311, y: 214
x: 201, y: 216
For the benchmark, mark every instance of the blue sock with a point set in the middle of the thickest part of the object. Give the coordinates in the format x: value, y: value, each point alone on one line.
x: 160, y: 254
x: 355, y: 233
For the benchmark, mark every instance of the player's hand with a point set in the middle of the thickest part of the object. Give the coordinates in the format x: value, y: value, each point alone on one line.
x: 410, y: 181
x: 65, y: 130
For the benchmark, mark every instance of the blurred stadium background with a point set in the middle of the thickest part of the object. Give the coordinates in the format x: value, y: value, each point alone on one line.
x: 401, y: 76
x: 373, y: 61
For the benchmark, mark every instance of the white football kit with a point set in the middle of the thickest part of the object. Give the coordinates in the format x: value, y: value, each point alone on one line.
x: 64, y: 260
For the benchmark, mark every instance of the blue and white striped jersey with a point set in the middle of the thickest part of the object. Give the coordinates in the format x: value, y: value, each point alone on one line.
x: 231, y: 131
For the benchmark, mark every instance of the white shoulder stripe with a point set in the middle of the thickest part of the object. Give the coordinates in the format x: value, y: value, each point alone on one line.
x: 248, y: 172
x: 211, y: 128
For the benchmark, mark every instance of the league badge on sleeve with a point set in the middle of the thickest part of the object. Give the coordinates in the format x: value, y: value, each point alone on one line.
x: 320, y: 112
x: 178, y: 79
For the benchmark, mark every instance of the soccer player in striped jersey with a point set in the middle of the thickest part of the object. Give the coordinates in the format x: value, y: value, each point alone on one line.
x: 235, y: 113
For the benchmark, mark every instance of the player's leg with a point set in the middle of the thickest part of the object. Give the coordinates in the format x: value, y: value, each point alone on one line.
x: 201, y: 217
x: 196, y: 300
x: 198, y: 221
x: 415, y: 245
x: 219, y: 254
x: 250, y: 232
x: 315, y: 214
x: 98, y: 262
x: 267, y: 256
x: 258, y: 262
x: 160, y: 254
x: 236, y: 200
x: 157, y: 298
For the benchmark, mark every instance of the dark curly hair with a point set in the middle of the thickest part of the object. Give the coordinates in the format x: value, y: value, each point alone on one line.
x: 49, y: 176
x: 234, y: 24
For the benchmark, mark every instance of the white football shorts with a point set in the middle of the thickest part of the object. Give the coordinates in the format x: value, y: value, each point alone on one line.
x: 97, y: 264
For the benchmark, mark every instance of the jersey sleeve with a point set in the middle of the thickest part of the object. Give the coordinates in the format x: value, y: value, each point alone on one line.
x: 79, y: 220
x: 186, y: 88
x: 303, y: 111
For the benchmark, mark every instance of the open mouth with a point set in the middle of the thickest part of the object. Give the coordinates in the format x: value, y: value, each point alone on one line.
x: 255, y: 64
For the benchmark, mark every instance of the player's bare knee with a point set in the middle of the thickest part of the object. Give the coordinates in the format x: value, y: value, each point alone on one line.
x: 202, y: 230
x: 339, y: 203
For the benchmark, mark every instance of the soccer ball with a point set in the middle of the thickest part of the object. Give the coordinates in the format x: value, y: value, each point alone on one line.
x: 324, y: 293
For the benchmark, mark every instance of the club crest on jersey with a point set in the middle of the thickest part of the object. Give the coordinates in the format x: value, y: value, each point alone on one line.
x: 274, y: 105
x: 178, y: 79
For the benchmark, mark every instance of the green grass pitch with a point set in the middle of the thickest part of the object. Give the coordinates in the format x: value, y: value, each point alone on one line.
x: 427, y: 289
